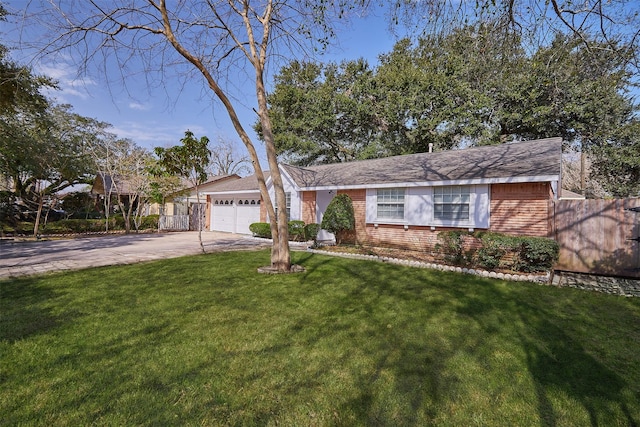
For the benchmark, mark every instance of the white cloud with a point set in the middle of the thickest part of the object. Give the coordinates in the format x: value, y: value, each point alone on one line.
x: 138, y: 106
x: 153, y: 134
x: 69, y: 83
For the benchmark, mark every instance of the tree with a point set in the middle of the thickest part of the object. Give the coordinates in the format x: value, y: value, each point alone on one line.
x: 470, y: 86
x: 339, y: 216
x: 617, y: 162
x: 324, y: 113
x: 614, y: 25
x: 189, y: 161
x: 41, y: 154
x: 210, y: 37
x: 226, y: 161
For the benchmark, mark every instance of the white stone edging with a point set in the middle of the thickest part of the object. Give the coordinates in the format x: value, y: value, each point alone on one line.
x: 535, y: 278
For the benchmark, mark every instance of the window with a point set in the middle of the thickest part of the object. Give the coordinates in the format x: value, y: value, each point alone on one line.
x: 390, y: 203
x: 288, y: 203
x: 451, y: 203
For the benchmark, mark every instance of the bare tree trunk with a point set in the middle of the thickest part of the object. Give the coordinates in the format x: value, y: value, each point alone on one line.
x: 280, y: 257
x: 36, y: 225
x: 199, y: 218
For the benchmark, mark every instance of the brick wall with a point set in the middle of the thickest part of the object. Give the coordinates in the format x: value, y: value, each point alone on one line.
x: 309, y: 207
x: 521, y: 209
x: 359, y: 198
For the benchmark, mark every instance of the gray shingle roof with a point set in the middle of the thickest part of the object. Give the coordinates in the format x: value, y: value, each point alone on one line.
x: 539, y: 158
x: 249, y: 183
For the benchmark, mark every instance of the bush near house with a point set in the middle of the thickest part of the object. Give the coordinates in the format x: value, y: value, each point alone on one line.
x: 260, y: 229
x: 339, y: 216
x: 499, y: 251
x: 298, y: 230
x: 311, y: 231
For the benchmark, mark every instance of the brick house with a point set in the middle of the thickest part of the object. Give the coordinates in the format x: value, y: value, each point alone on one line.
x: 407, y: 200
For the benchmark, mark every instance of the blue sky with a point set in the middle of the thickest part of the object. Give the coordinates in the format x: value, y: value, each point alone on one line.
x: 162, y: 117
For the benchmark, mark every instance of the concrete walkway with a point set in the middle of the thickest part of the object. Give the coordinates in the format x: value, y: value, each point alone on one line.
x: 28, y: 257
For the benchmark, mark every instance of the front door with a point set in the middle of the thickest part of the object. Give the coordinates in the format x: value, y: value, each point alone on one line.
x: 322, y: 201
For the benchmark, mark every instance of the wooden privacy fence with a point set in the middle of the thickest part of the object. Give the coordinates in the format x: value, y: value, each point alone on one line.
x: 599, y: 236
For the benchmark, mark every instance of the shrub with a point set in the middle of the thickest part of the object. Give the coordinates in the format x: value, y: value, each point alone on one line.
x: 296, y: 230
x: 261, y: 229
x: 311, y: 231
x: 537, y: 254
x: 149, y: 222
x: 452, y: 246
x: 339, y: 216
x: 494, y: 247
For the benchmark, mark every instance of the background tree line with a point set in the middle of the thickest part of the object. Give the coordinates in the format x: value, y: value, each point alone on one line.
x: 474, y: 85
x: 46, y: 150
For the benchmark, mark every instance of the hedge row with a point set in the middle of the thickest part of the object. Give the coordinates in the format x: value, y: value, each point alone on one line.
x: 500, y: 251
x: 298, y: 230
x: 70, y: 226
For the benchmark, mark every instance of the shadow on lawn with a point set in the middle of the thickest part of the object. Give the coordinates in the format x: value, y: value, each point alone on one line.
x: 558, y: 364
x: 24, y: 309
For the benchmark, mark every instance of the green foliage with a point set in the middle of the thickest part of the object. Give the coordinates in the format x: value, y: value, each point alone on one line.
x: 494, y: 247
x: 304, y: 107
x: 517, y: 253
x: 617, y: 164
x: 189, y: 160
x: 452, y: 246
x: 149, y: 222
x: 339, y: 216
x: 296, y: 230
x: 261, y: 229
x: 536, y: 254
x: 311, y: 231
x: 474, y: 84
x: 79, y: 226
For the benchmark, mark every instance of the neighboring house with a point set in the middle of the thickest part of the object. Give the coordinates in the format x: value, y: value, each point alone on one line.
x: 106, y: 185
x: 234, y: 205
x: 406, y: 200
x: 181, y: 203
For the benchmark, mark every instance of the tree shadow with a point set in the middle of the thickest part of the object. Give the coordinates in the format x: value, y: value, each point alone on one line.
x: 24, y: 311
x: 558, y: 364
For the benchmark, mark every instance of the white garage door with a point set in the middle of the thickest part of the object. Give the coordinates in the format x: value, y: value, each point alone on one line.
x: 223, y: 215
x: 234, y: 215
x: 247, y: 212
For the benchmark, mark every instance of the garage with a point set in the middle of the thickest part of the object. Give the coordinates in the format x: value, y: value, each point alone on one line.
x: 234, y: 214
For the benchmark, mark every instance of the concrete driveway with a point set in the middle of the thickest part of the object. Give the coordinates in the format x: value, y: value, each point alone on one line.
x: 25, y: 258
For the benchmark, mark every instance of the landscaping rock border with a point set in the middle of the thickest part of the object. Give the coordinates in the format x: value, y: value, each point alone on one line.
x: 535, y: 278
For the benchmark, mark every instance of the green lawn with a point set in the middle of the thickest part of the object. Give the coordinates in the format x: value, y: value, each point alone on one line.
x: 205, y: 340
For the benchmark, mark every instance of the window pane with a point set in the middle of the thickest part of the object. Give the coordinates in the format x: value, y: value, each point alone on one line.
x: 451, y: 203
x: 390, y: 203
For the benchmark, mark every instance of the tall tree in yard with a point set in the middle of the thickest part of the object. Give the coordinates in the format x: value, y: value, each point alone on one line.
x: 212, y: 38
x: 189, y: 161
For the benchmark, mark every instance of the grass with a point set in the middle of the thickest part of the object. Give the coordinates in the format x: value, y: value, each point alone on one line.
x: 205, y: 340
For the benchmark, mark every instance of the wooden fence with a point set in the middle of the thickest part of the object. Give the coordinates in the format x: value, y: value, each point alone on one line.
x: 174, y: 222
x: 599, y: 236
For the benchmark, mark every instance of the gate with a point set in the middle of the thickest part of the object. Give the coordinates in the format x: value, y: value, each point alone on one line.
x: 599, y: 236
x: 174, y: 222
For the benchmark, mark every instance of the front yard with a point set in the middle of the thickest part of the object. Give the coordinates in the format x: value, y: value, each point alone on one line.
x: 205, y: 340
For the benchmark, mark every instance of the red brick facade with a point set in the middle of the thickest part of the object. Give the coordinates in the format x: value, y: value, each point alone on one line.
x: 309, y: 207
x: 519, y: 209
